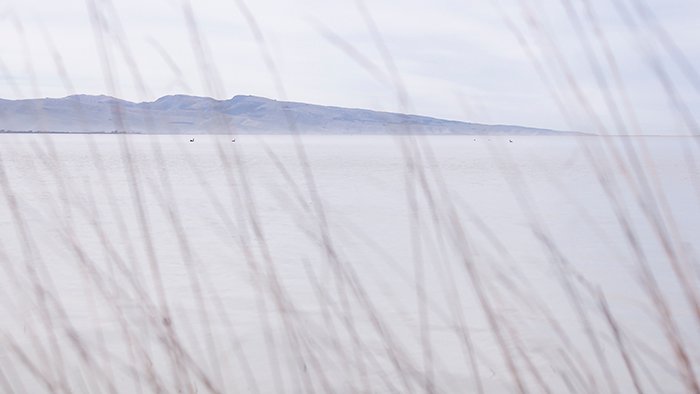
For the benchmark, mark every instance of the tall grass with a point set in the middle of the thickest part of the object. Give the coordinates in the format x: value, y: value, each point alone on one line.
x: 106, y: 289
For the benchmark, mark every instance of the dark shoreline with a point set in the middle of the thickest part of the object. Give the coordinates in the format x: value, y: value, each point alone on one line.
x: 555, y: 134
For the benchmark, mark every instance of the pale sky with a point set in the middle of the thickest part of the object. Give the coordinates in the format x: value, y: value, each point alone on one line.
x: 456, y: 59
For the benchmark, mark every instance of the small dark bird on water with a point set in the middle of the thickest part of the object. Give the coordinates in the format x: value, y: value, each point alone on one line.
x: 510, y: 140
x: 191, y: 139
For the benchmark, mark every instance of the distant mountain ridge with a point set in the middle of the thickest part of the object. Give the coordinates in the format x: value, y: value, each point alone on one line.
x: 183, y: 114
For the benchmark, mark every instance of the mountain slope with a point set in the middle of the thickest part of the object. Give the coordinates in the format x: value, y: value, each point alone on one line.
x: 242, y: 114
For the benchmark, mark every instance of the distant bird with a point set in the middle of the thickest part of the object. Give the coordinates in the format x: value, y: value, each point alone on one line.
x: 510, y: 140
x: 233, y: 140
x: 191, y: 139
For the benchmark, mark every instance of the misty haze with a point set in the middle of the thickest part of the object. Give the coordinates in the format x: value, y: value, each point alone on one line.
x: 349, y: 197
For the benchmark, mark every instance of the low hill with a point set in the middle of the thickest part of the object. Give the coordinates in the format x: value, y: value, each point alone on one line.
x: 180, y: 114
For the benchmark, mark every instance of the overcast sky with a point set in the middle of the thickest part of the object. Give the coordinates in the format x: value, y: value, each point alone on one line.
x: 456, y: 59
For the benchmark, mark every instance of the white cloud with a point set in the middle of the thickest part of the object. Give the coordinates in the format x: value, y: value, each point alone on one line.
x: 443, y: 49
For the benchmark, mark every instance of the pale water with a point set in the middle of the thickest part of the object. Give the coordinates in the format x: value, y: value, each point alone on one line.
x: 343, y: 263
